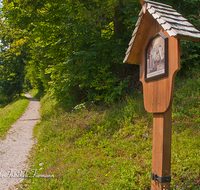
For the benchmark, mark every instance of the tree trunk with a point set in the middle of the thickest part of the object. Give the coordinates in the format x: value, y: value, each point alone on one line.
x: 119, y: 27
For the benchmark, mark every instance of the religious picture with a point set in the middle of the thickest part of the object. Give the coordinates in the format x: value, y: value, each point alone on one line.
x: 155, y: 57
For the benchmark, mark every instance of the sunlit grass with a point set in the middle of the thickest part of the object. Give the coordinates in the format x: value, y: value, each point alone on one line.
x: 96, y: 148
x: 11, y: 112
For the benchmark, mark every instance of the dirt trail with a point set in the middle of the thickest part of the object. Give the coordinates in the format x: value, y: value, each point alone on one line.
x: 14, y: 150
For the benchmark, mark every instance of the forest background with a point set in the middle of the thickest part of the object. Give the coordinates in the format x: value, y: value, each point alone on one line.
x: 94, y: 132
x: 74, y: 48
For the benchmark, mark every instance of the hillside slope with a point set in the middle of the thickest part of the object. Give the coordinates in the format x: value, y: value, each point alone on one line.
x: 96, y: 147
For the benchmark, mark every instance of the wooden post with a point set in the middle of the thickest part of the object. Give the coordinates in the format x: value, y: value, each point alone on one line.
x: 161, y: 161
x: 155, y: 41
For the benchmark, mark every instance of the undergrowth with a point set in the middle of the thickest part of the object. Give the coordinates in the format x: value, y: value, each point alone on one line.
x: 93, y: 147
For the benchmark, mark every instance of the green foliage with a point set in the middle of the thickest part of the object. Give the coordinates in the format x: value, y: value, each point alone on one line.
x: 94, y: 147
x: 12, y: 60
x: 190, y: 58
x: 92, y: 70
x: 74, y: 49
x: 37, y: 94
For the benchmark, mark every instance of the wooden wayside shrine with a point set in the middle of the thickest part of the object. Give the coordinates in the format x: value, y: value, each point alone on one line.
x: 155, y: 46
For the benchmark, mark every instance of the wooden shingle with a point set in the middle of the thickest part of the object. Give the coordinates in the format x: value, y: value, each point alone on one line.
x: 170, y: 20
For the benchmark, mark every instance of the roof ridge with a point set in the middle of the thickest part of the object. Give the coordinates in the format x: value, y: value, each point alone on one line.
x: 174, y: 24
x: 150, y: 5
x: 154, y: 2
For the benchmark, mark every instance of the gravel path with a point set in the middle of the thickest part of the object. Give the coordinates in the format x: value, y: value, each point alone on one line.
x: 14, y: 150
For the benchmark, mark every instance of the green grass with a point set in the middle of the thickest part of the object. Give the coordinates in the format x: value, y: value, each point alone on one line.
x: 93, y: 147
x: 10, y: 113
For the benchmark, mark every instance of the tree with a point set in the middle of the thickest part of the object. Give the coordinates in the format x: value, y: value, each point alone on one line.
x: 75, y: 48
x: 12, y: 60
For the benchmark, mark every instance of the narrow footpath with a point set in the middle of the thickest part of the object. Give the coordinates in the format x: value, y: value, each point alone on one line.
x: 14, y: 150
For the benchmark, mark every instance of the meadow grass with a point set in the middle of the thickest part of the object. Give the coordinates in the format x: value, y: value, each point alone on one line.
x: 93, y: 147
x: 11, y: 112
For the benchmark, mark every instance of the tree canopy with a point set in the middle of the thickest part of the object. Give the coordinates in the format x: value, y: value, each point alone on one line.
x: 75, y: 48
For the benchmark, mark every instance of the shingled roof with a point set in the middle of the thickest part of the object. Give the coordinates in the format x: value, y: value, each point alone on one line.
x: 170, y: 20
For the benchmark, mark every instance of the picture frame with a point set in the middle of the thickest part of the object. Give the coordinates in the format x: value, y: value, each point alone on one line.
x: 156, y: 57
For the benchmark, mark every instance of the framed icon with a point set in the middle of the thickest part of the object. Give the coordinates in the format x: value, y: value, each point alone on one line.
x: 156, y: 57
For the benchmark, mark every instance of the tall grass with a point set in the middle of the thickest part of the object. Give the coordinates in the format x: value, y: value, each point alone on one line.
x: 91, y: 147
